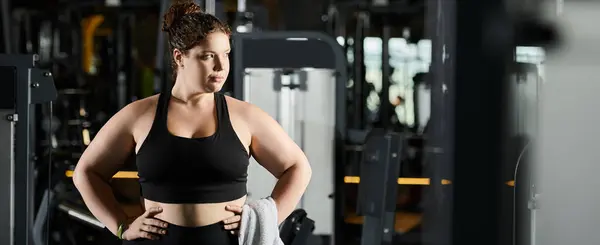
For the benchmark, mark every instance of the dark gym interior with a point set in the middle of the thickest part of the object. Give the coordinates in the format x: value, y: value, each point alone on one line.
x: 431, y: 107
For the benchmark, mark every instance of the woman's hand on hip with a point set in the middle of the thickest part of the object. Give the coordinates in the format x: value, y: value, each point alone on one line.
x: 232, y: 224
x: 146, y: 226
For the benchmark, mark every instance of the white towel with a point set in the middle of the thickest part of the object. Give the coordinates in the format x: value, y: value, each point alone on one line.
x: 259, y: 223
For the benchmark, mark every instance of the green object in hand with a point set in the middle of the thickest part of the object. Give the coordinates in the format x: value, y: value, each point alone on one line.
x: 121, y: 230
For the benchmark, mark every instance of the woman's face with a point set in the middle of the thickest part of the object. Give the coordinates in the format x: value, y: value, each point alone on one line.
x: 206, y: 66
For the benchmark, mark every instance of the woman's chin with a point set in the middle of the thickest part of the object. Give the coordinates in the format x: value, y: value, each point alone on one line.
x: 213, y: 87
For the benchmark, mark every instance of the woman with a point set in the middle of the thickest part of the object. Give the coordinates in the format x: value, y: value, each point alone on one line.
x: 192, y: 148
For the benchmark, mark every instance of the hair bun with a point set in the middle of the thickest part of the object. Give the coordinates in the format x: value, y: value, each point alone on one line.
x: 177, y: 11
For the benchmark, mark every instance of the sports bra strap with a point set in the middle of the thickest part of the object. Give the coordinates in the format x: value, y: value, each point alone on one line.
x: 161, y: 109
x: 223, y: 114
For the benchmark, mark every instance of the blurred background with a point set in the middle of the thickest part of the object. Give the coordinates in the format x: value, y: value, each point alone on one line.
x: 453, y: 92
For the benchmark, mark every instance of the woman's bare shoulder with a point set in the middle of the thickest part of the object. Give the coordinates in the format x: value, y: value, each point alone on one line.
x: 140, y: 109
x: 144, y: 104
x: 247, y: 111
x: 240, y: 107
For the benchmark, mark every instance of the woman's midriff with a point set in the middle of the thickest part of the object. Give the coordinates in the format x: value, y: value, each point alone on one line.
x: 194, y: 215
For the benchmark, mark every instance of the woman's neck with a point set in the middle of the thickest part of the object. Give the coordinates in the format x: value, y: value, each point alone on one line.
x: 187, y: 96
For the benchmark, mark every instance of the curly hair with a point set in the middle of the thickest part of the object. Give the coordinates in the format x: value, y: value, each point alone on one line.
x: 187, y: 25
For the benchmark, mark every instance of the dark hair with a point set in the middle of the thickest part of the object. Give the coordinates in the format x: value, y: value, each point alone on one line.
x: 187, y: 25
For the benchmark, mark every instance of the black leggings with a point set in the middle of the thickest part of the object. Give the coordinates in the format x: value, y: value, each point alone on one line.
x: 213, y: 234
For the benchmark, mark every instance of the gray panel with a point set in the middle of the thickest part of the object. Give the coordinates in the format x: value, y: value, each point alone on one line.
x: 319, y: 147
x: 524, y: 100
x: 6, y: 177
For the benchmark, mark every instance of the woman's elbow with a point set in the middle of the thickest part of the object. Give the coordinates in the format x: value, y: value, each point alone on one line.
x: 306, y: 170
x: 77, y: 177
x: 80, y: 176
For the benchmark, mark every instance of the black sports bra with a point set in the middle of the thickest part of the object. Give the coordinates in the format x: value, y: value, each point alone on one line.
x: 175, y: 169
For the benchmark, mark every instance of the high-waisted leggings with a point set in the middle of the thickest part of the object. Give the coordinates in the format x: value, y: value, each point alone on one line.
x: 214, y: 234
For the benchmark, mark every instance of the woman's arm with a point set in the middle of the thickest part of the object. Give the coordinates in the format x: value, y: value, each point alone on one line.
x: 100, y: 161
x: 279, y: 154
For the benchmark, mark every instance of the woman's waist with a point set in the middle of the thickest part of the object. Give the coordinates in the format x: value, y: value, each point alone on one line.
x: 192, y: 192
x: 194, y: 214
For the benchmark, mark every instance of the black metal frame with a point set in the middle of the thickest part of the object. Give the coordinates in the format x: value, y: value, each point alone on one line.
x: 437, y: 214
x: 481, y: 125
x: 30, y: 86
x: 378, y: 187
x: 126, y: 84
x: 5, y: 9
x: 386, y: 72
x: 161, y: 69
x: 469, y: 124
x: 295, y: 50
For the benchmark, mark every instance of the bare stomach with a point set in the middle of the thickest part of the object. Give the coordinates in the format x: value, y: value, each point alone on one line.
x: 194, y: 215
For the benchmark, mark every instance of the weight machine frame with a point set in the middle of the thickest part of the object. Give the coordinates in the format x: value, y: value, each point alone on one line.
x: 23, y: 86
x: 5, y: 9
x: 309, y: 50
x: 437, y: 198
x: 474, y: 71
x: 377, y: 190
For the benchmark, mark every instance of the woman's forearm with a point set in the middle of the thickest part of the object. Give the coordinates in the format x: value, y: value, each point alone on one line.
x: 289, y: 189
x: 100, y: 200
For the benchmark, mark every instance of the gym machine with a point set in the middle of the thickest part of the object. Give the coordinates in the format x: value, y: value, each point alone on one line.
x: 377, y: 191
x: 355, y: 21
x: 23, y: 86
x: 306, y: 94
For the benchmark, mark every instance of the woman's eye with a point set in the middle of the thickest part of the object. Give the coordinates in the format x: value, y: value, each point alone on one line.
x: 207, y: 56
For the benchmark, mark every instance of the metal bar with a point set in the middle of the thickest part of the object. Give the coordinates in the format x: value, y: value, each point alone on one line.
x: 103, y: 3
x: 18, y: 18
x: 159, y: 67
x: 386, y: 72
x: 6, y: 24
x: 359, y: 71
x: 209, y: 6
x: 377, y: 194
x: 134, y: 85
x: 241, y: 6
x: 121, y: 60
x: 23, y: 192
x: 438, y: 208
x: 86, y: 217
x: 7, y: 179
x: 480, y: 120
x: 239, y: 70
x: 393, y: 7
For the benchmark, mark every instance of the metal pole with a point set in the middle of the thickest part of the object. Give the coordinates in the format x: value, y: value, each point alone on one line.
x: 437, y: 215
x: 481, y: 129
x: 6, y: 26
x: 159, y: 67
x: 241, y: 6
x: 359, y: 71
x: 209, y: 6
x: 386, y: 72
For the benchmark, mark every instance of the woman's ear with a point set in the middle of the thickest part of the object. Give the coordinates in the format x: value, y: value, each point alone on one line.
x: 178, y: 57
